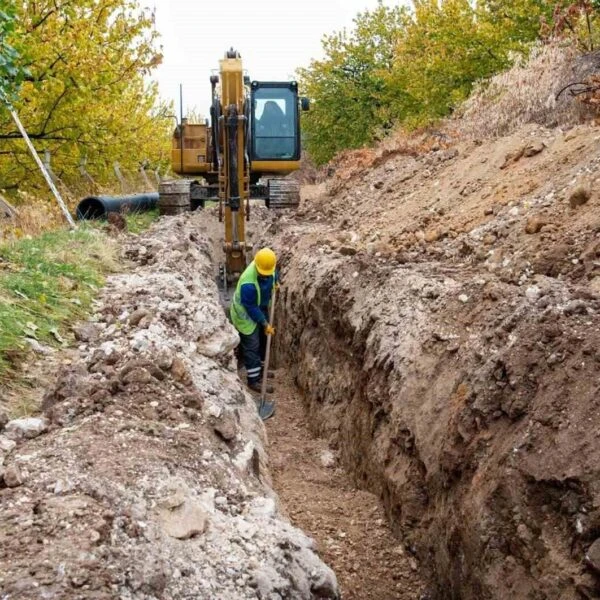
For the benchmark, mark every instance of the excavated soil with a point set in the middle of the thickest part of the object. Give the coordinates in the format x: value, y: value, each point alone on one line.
x: 146, y: 476
x: 438, y: 348
x: 440, y: 314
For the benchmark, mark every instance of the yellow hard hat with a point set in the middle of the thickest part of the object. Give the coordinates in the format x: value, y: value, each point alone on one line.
x: 265, y: 261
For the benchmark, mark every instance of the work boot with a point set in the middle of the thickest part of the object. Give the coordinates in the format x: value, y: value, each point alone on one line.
x: 256, y: 386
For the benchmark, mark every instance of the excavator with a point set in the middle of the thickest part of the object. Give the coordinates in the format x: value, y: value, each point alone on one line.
x: 251, y: 144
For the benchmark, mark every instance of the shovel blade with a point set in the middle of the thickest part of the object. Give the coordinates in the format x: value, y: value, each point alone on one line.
x: 266, y: 409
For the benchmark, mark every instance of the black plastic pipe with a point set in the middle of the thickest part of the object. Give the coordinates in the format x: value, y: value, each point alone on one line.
x: 97, y: 207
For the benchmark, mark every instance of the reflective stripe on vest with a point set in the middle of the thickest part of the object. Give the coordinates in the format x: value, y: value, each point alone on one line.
x: 239, y: 316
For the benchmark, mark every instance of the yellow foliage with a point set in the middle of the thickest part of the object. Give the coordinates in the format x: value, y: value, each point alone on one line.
x: 86, y: 96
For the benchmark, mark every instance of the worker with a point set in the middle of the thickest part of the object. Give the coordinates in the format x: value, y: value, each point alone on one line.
x: 272, y: 121
x: 250, y: 313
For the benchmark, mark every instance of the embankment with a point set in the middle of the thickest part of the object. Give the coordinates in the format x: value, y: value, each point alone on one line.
x: 146, y: 476
x: 440, y: 315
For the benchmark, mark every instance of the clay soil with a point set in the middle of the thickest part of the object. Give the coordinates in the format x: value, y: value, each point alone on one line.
x: 440, y: 314
x: 349, y: 525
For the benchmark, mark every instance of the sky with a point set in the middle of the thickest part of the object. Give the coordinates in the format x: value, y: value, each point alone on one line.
x: 274, y: 38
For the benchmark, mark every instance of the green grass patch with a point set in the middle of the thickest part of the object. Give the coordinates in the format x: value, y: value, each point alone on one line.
x: 140, y: 221
x: 47, y: 283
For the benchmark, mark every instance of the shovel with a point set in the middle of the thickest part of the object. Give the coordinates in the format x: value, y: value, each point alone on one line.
x: 266, y: 409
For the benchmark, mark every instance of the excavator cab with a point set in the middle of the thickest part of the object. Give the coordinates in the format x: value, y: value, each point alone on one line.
x: 251, y: 145
x: 275, y: 126
x: 274, y: 141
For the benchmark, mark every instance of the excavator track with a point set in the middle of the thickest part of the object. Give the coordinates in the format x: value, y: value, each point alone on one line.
x: 283, y: 193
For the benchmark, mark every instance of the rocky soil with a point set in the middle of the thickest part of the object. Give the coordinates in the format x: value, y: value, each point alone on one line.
x: 146, y: 475
x: 440, y: 315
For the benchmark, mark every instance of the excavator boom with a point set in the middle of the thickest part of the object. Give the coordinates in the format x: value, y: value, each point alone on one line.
x: 234, y: 177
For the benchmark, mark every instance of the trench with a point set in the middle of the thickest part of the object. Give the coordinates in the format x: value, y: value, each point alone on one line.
x: 325, y: 489
x: 320, y: 497
x: 433, y: 383
x: 401, y: 451
x: 319, y: 492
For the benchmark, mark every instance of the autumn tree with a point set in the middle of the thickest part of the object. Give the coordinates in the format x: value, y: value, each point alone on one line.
x: 86, y: 94
x: 448, y: 46
x: 11, y: 70
x: 578, y: 21
x: 411, y: 65
x: 348, y: 86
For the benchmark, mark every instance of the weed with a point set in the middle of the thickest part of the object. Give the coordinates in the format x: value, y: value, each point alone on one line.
x: 140, y: 221
x: 528, y: 93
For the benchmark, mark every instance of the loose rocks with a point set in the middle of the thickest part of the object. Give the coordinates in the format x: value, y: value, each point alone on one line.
x: 184, y: 521
x: 13, y: 476
x: 592, y: 556
x: 150, y: 426
x: 25, y: 428
x: 579, y: 196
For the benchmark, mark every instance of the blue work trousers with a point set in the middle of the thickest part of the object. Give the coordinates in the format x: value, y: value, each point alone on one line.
x: 253, y: 348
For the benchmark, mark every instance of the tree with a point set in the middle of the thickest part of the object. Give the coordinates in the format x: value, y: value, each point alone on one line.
x: 450, y: 45
x: 577, y: 21
x: 85, y: 95
x: 518, y: 22
x: 347, y: 86
x: 411, y: 65
x: 11, y: 71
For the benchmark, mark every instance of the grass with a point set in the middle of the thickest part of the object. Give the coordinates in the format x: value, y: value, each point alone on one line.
x: 46, y: 283
x: 48, y: 279
x: 140, y: 221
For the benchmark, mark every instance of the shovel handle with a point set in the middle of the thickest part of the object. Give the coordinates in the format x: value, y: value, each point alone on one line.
x: 263, y: 389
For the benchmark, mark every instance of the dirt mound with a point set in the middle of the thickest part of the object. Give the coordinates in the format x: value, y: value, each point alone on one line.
x: 441, y: 317
x: 545, y: 90
x: 555, y: 87
x: 147, y: 477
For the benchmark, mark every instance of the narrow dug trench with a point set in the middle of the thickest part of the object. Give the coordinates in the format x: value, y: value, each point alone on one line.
x: 349, y: 524
x: 317, y: 492
x: 464, y: 399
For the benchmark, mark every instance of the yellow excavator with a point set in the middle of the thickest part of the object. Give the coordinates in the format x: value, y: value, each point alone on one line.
x: 251, y: 144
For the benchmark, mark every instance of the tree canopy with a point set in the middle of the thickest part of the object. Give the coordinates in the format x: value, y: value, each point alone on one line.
x: 411, y: 65
x: 84, y: 94
x: 11, y: 70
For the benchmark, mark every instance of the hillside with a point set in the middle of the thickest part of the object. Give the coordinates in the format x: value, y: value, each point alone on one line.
x: 441, y: 319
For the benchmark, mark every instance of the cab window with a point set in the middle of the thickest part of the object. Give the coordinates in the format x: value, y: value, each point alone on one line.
x: 274, y: 124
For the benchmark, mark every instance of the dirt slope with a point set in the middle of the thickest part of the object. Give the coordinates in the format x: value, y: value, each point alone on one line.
x: 440, y: 313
